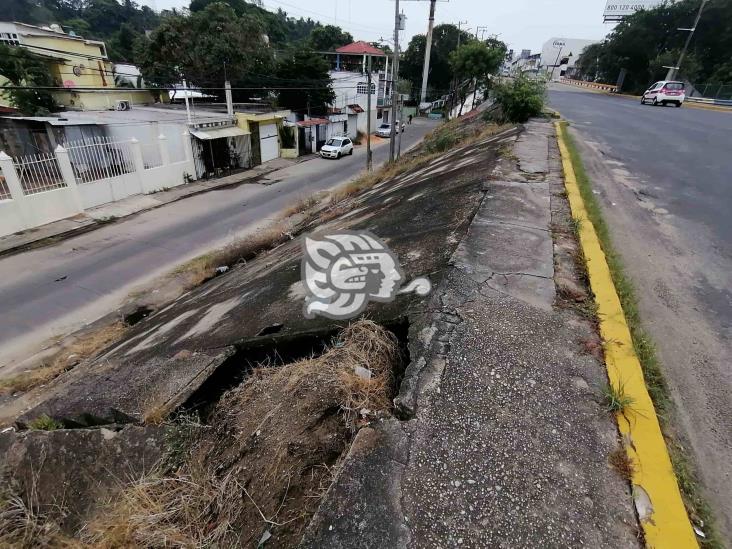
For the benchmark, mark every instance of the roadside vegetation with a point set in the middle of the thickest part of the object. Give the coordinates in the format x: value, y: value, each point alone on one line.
x: 697, y: 508
x: 519, y: 99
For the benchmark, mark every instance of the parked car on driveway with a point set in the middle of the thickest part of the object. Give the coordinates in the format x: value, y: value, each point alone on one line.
x: 665, y: 92
x: 385, y: 129
x: 336, y: 147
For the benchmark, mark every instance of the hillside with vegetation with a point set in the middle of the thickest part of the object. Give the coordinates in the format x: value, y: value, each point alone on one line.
x: 121, y: 24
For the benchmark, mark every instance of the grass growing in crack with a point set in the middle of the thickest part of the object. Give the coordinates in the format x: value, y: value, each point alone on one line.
x: 45, y: 423
x: 645, y: 349
x: 204, y: 267
x: 576, y: 225
x: 615, y: 399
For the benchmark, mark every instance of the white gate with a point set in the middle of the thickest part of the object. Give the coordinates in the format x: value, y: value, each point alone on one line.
x: 269, y: 142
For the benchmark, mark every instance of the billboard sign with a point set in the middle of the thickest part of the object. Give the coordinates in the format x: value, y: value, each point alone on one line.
x: 615, y: 10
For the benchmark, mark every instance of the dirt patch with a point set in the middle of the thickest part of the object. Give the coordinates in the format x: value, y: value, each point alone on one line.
x: 270, y: 452
x: 75, y: 351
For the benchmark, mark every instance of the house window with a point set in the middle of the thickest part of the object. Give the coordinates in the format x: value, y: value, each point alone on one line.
x: 362, y: 88
x: 9, y: 39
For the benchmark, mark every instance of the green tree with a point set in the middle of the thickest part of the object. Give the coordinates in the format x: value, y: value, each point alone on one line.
x: 444, y: 42
x: 306, y: 73
x: 328, y: 38
x: 25, y: 69
x: 121, y: 46
x: 206, y: 48
x: 476, y: 62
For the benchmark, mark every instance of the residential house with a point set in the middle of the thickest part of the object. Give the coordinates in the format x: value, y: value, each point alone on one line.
x: 351, y: 86
x: 80, y: 66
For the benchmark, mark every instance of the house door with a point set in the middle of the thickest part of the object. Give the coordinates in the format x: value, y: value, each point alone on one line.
x: 269, y: 143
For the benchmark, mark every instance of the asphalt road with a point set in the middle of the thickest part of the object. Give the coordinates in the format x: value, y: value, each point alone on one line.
x: 664, y: 176
x: 54, y: 290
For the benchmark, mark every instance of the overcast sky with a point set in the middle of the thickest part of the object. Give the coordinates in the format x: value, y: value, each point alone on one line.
x: 522, y: 24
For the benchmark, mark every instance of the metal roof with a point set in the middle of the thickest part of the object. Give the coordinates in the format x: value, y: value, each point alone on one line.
x: 313, y: 122
x: 360, y: 48
x: 217, y: 133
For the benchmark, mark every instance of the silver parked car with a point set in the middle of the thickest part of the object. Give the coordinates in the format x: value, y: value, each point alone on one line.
x: 385, y: 129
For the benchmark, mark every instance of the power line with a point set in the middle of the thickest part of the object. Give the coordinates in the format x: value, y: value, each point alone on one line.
x: 372, y: 30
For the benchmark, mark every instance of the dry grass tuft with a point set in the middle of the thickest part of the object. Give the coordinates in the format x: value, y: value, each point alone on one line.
x: 302, y: 205
x: 270, y: 453
x: 82, y: 348
x: 204, y: 267
x: 22, y: 526
x: 620, y: 461
x: 592, y: 346
x: 332, y: 212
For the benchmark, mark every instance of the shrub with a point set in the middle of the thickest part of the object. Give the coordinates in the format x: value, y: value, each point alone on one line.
x: 442, y: 142
x: 520, y: 99
x: 287, y: 136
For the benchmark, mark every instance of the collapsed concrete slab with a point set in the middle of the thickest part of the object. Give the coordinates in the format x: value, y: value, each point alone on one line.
x: 421, y: 215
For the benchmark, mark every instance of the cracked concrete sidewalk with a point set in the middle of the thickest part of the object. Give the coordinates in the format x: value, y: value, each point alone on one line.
x: 507, y: 443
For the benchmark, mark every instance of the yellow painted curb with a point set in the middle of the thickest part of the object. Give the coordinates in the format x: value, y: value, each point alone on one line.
x: 655, y: 490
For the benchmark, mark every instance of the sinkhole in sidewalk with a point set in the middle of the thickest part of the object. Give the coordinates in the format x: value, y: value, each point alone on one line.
x: 272, y: 350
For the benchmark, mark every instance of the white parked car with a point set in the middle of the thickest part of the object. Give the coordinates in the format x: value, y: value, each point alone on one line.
x: 336, y: 147
x: 385, y: 129
x: 665, y: 92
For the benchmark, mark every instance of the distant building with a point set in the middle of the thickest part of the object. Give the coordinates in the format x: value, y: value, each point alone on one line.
x: 526, y: 64
x: 81, y: 66
x: 559, y: 55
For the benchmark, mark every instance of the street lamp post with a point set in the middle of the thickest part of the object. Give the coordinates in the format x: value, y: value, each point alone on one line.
x: 551, y: 77
x: 673, y: 71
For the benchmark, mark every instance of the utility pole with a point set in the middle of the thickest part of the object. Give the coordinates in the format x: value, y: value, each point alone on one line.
x: 185, y: 98
x: 399, y: 129
x: 395, y: 73
x: 369, y: 162
x: 551, y: 77
x: 480, y: 30
x: 427, y: 51
x: 453, y: 94
x: 460, y: 31
x: 673, y: 71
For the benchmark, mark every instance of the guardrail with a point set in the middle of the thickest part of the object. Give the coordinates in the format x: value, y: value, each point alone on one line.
x: 708, y: 101
x: 592, y: 85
